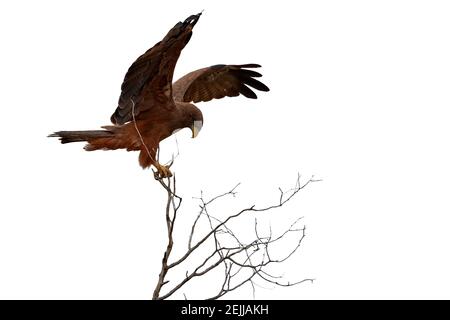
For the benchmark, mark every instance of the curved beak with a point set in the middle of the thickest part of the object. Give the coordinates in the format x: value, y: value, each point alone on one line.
x: 196, y: 127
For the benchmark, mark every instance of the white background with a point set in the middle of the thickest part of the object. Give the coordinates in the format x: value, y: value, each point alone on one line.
x: 359, y: 97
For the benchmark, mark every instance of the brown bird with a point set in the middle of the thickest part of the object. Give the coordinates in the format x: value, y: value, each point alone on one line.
x: 151, y: 108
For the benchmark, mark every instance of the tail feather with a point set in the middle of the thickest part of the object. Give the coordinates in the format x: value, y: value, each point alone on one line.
x: 79, y: 136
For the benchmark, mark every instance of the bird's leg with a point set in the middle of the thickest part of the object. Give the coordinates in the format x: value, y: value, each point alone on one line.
x: 162, y: 171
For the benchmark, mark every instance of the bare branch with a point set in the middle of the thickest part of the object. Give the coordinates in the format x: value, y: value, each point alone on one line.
x: 244, y: 261
x: 170, y: 223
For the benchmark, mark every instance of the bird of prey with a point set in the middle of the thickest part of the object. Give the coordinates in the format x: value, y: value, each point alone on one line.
x: 151, y: 107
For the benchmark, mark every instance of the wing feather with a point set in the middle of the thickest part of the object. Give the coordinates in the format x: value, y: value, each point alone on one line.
x: 258, y: 85
x: 247, y: 92
x: 148, y: 81
x: 217, y: 82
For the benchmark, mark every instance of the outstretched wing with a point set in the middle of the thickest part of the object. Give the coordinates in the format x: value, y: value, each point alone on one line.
x: 148, y: 82
x: 218, y: 81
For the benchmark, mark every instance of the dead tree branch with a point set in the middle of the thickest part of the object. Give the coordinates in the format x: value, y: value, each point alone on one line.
x: 243, y: 262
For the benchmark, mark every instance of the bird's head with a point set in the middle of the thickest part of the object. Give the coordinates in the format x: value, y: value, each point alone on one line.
x: 193, y: 119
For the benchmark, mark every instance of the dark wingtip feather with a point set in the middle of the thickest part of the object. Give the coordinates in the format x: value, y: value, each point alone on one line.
x: 250, y: 73
x: 193, y: 19
x: 249, y: 65
x: 247, y: 92
x: 258, y: 85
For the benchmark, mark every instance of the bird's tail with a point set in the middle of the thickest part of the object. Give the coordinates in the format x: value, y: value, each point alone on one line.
x: 79, y: 136
x: 108, y: 139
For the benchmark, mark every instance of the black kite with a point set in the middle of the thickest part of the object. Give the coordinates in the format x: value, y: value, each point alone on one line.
x: 151, y: 108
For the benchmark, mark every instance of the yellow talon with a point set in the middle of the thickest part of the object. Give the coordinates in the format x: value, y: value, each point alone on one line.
x: 162, y: 172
